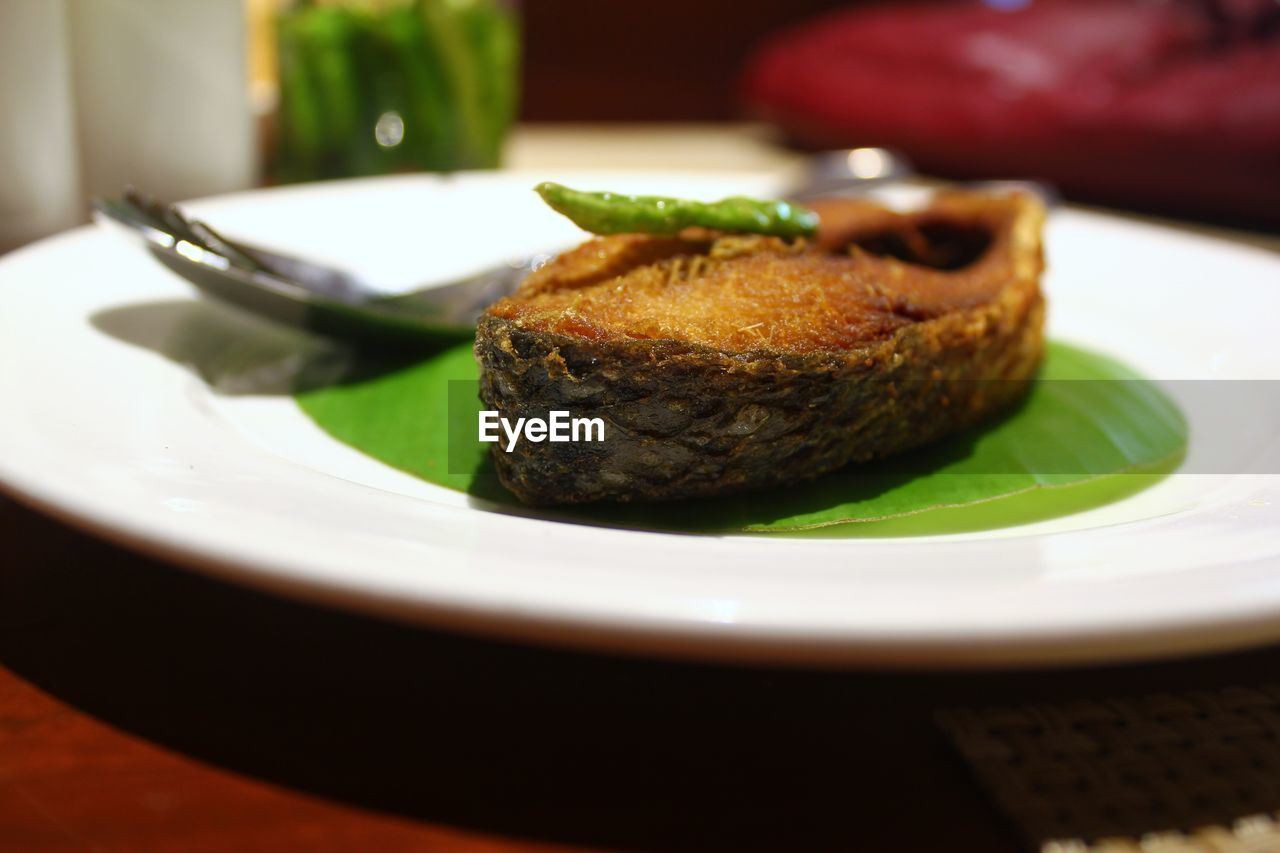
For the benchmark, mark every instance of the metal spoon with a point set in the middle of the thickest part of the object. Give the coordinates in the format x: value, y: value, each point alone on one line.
x: 339, y: 304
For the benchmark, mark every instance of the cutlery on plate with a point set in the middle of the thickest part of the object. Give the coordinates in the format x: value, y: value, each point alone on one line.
x: 339, y: 304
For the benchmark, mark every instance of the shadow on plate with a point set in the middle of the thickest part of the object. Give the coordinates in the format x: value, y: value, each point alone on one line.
x: 235, y: 352
x: 735, y: 513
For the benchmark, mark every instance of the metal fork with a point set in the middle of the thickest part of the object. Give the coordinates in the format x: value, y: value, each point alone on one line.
x: 339, y: 304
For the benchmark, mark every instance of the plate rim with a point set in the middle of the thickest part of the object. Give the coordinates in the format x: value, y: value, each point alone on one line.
x: 705, y: 641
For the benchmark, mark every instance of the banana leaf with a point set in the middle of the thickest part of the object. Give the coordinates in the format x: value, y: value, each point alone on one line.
x: 1090, y: 432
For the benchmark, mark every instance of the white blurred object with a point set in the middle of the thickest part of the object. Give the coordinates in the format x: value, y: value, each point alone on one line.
x: 39, y: 168
x: 98, y: 94
x: 162, y: 97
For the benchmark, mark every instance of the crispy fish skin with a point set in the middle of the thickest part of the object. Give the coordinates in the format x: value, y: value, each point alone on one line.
x: 695, y: 416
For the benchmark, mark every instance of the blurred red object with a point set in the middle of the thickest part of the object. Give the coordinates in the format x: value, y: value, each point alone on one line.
x: 1168, y: 105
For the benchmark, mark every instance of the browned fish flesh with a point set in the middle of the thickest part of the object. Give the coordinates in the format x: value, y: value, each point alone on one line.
x: 722, y: 363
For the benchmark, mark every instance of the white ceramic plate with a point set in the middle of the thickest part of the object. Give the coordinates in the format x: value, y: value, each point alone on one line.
x: 101, y: 430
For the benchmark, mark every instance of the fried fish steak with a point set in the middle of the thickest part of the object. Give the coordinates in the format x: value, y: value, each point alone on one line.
x: 723, y: 363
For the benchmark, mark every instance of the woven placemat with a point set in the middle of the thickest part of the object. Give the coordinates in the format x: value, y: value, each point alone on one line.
x: 1165, y: 773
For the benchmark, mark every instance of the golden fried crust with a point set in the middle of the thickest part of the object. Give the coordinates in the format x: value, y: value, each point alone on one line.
x: 725, y: 363
x: 747, y: 294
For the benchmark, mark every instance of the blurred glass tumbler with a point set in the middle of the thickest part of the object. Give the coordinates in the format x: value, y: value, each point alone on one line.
x: 375, y: 86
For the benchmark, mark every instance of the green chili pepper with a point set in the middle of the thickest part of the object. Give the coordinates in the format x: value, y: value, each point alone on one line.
x: 611, y: 213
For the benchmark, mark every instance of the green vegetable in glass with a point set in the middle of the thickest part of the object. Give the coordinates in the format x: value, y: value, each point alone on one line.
x: 375, y: 86
x: 611, y: 213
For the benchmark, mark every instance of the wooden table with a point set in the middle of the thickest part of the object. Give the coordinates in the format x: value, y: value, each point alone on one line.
x: 144, y: 707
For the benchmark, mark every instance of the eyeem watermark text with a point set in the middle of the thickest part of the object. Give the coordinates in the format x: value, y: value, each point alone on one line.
x: 558, y: 426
